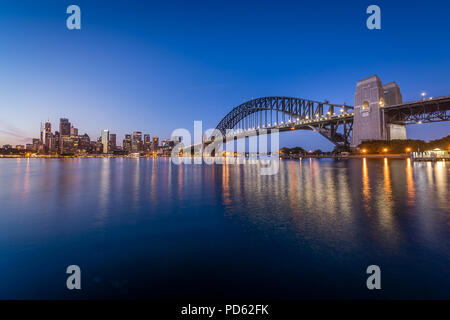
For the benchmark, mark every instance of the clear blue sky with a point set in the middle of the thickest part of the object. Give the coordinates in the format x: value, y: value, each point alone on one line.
x: 156, y: 66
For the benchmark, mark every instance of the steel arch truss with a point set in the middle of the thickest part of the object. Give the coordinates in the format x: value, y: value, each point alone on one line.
x: 271, y: 112
x: 425, y: 111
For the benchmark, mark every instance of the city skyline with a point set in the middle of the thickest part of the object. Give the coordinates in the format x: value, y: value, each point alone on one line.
x: 163, y: 70
x: 67, y: 140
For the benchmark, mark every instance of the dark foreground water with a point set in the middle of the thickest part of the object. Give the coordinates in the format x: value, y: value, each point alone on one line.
x: 145, y: 228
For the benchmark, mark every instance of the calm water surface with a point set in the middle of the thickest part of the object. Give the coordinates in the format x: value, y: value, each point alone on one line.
x: 145, y: 228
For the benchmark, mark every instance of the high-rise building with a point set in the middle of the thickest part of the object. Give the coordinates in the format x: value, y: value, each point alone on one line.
x: 49, y: 140
x: 147, y: 142
x: 112, y: 141
x: 136, y: 143
x: 155, y: 144
x: 85, y: 143
x: 36, y: 144
x: 65, y: 143
x: 126, y: 145
x: 64, y: 127
x: 105, y: 141
x: 73, y: 131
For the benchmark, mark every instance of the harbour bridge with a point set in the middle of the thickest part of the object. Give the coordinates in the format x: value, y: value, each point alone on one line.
x: 378, y: 114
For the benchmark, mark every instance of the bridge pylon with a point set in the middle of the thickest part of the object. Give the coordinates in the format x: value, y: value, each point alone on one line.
x: 369, y: 123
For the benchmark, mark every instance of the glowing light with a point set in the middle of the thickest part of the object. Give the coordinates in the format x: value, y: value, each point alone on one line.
x: 385, y: 150
x: 364, y: 150
x: 408, y: 149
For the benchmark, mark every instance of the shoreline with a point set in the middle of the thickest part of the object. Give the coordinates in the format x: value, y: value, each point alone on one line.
x: 355, y: 156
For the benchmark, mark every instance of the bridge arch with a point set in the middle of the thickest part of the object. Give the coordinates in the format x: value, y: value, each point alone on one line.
x: 288, y: 113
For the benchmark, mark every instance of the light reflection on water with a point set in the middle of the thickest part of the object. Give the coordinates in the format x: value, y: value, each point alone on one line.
x: 148, y: 223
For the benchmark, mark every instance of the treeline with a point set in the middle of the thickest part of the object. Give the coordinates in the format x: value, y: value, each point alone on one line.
x: 403, y: 146
x: 377, y: 146
x: 300, y: 151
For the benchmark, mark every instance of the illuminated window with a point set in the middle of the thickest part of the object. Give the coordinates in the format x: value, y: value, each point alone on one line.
x: 365, y: 105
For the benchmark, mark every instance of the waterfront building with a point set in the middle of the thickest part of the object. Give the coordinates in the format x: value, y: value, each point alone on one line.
x: 147, y: 143
x: 36, y: 144
x: 126, y: 145
x: 105, y: 140
x: 57, y: 142
x: 64, y: 127
x: 65, y: 143
x: 49, y: 139
x: 73, y: 131
x: 112, y: 141
x: 85, y: 143
x: 136, y: 143
x: 155, y: 144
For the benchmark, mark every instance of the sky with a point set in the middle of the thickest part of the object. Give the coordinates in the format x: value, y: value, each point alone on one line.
x: 155, y: 66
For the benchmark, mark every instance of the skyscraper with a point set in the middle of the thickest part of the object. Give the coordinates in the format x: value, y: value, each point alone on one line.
x: 137, y: 144
x: 127, y: 143
x: 147, y: 142
x: 155, y: 144
x: 65, y: 143
x: 49, y: 140
x: 64, y: 127
x: 112, y: 141
x: 105, y: 141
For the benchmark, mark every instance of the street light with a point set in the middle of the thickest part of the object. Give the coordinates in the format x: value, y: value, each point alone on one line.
x: 423, y: 95
x: 385, y: 149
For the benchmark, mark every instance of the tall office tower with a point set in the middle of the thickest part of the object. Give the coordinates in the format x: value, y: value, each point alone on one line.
x: 52, y: 144
x: 65, y: 143
x: 73, y: 131
x: 147, y: 142
x: 48, y: 136
x: 155, y: 144
x: 57, y: 142
x: 126, y: 145
x: 112, y: 141
x: 64, y: 127
x: 105, y: 140
x: 136, y: 143
x: 42, y: 134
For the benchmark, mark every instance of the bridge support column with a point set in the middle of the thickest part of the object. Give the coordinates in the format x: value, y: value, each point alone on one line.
x: 369, y: 119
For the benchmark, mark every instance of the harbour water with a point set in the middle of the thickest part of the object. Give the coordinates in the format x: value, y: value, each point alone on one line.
x: 146, y: 228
